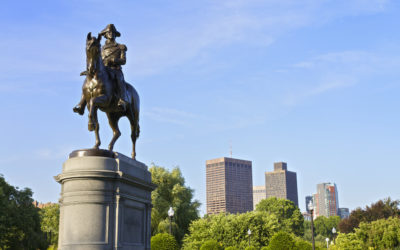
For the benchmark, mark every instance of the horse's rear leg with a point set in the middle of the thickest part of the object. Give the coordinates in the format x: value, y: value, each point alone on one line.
x: 113, y: 121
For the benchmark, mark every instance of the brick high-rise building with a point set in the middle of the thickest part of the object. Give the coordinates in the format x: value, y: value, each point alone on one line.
x: 326, y: 200
x: 281, y: 183
x: 229, y: 185
x: 258, y: 195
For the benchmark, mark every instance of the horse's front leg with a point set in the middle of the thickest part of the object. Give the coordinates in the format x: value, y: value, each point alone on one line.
x: 97, y: 128
x: 93, y: 121
x: 80, y: 107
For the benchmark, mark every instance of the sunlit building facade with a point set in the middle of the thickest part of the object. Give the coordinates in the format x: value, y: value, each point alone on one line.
x: 229, y: 185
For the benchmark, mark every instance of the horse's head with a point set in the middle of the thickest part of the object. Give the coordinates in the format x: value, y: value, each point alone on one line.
x: 92, y: 53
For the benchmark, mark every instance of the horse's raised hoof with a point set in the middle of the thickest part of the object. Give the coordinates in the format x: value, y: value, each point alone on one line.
x: 78, y: 109
x: 91, y: 126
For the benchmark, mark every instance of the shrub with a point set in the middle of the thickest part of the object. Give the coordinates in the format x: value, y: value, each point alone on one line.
x: 231, y: 248
x: 282, y: 241
x: 251, y: 248
x: 303, y: 245
x: 163, y: 241
x: 211, y: 245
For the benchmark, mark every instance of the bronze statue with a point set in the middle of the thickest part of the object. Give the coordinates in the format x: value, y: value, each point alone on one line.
x: 104, y: 87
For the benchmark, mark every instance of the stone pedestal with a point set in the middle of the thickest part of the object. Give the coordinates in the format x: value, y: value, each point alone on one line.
x: 105, y: 202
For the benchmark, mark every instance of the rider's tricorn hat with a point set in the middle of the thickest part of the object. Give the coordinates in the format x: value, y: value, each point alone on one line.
x: 112, y: 28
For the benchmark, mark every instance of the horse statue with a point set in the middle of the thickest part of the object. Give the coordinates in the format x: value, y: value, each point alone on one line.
x: 99, y: 92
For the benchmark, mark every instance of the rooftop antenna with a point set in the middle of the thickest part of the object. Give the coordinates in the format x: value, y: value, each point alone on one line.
x: 230, y: 148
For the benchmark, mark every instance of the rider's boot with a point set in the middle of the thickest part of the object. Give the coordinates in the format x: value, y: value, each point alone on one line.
x: 122, y: 104
x: 123, y: 101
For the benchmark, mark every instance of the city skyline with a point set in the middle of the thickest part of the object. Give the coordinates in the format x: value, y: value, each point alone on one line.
x: 313, y: 83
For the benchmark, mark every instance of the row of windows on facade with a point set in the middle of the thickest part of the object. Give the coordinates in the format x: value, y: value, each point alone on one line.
x: 228, y: 164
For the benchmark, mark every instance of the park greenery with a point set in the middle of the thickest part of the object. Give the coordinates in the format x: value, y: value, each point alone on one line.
x: 382, y: 209
x: 163, y: 241
x: 275, y: 224
x: 231, y: 230
x: 19, y: 219
x: 49, y: 220
x: 172, y: 192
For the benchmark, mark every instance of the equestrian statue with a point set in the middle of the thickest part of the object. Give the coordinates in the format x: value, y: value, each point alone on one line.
x: 104, y: 87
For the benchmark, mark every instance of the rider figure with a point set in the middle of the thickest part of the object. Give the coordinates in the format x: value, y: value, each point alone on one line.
x: 114, y: 55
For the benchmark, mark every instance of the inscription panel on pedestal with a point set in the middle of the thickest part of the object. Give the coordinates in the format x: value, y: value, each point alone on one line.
x: 87, y: 223
x: 133, y: 223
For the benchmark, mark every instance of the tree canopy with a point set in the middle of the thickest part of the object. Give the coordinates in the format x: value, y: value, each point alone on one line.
x: 231, y: 229
x: 381, y: 209
x: 286, y: 211
x: 171, y: 192
x: 49, y: 220
x: 163, y: 241
x: 19, y: 219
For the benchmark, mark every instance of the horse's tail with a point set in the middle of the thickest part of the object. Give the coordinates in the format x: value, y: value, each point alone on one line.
x: 135, y: 106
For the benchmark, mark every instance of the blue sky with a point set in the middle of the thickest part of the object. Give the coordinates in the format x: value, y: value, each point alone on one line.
x: 312, y: 83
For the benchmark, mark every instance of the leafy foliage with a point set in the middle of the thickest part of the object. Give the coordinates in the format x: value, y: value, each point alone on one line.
x: 282, y: 241
x: 19, y: 219
x: 231, y: 229
x: 323, y: 225
x: 250, y: 248
x: 348, y: 241
x: 49, y: 220
x: 231, y: 248
x: 171, y: 191
x: 286, y: 211
x: 211, y: 245
x: 163, y: 241
x: 382, y: 209
x: 303, y: 245
x: 379, y: 234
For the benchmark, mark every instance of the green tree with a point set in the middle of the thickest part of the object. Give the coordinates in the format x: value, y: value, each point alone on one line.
x: 303, y: 245
x: 231, y: 248
x: 171, y: 192
x: 381, y: 209
x: 163, y: 241
x: 231, y: 229
x: 380, y: 234
x: 211, y: 245
x: 323, y: 225
x: 49, y: 220
x: 348, y: 241
x: 286, y: 211
x: 19, y: 219
x: 282, y: 241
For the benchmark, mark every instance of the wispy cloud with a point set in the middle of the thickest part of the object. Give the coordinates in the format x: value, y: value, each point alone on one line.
x: 340, y: 70
x: 293, y: 98
x: 169, y: 115
x: 256, y: 23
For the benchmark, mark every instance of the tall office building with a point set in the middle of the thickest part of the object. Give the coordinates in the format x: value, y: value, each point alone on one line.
x: 326, y: 200
x: 258, y: 195
x: 343, y: 212
x: 229, y: 185
x: 281, y: 183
